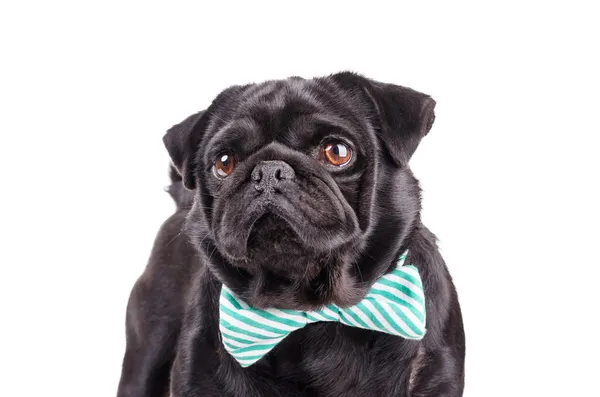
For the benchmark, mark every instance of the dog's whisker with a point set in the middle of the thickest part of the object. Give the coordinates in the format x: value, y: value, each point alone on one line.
x: 173, y: 239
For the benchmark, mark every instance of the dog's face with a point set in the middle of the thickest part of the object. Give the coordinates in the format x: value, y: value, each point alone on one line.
x: 303, y: 194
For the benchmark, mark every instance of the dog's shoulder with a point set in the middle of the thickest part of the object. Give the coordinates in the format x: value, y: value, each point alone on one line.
x: 172, y: 261
x: 444, y: 318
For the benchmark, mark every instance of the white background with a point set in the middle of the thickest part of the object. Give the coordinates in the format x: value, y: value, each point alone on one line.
x: 509, y: 170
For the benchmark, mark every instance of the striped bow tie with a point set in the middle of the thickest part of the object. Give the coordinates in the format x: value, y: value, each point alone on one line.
x: 394, y: 305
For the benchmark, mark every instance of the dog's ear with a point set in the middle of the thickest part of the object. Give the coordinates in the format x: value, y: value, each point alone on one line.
x: 402, y: 116
x: 182, y: 141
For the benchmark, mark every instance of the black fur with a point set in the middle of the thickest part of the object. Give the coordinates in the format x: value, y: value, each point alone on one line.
x: 312, y: 236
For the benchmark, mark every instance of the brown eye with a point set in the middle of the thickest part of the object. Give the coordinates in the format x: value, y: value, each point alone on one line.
x: 336, y: 153
x: 224, y: 165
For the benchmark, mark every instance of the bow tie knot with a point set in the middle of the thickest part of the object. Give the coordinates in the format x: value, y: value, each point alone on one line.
x: 395, y: 305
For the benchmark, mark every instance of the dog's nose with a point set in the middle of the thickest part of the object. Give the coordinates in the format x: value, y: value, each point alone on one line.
x: 267, y: 174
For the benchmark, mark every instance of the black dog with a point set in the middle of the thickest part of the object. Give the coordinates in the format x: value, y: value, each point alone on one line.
x: 295, y: 194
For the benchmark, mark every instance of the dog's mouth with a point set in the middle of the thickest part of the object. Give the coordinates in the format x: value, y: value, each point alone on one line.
x: 274, y: 246
x: 273, y: 233
x: 270, y: 230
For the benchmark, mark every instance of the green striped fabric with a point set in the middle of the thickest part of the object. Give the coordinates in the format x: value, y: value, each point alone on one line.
x: 394, y: 305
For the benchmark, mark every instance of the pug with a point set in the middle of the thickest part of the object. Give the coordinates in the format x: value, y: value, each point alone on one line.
x: 294, y: 196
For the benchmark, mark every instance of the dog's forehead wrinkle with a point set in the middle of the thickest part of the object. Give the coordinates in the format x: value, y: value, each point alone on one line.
x: 307, y: 93
x: 243, y: 124
x: 246, y: 122
x: 228, y: 125
x: 264, y: 93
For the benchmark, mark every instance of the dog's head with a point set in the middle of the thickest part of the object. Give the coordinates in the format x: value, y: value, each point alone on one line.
x: 303, y: 192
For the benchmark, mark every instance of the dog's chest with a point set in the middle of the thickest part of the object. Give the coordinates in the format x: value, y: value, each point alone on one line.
x: 333, y: 360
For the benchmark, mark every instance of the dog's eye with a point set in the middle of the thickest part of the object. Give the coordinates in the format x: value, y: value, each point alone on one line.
x: 336, y: 153
x: 224, y: 165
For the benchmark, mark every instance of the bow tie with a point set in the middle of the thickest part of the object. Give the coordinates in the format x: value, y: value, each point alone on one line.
x: 394, y: 305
